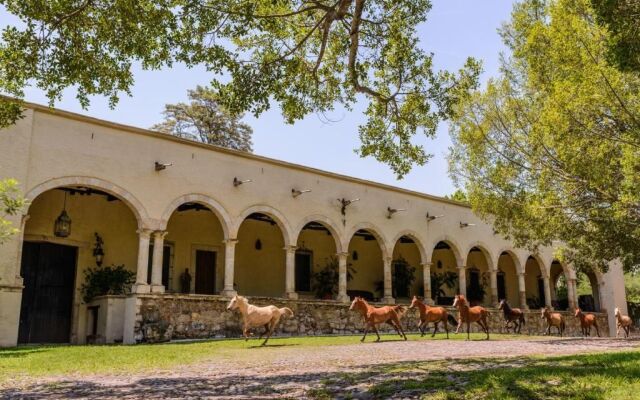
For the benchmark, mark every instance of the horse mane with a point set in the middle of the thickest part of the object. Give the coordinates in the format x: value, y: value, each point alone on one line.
x: 505, y: 306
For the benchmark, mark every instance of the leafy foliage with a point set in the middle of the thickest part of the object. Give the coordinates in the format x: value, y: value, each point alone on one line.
x: 306, y: 56
x: 622, y: 18
x: 403, y: 276
x: 204, y: 120
x: 440, y: 280
x: 325, y: 281
x: 10, y: 204
x: 550, y: 149
x: 458, y: 195
x: 100, y: 281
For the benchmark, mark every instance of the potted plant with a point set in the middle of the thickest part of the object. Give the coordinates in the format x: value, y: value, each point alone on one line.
x: 438, y: 281
x: 100, y: 281
x: 403, y: 276
x: 325, y: 281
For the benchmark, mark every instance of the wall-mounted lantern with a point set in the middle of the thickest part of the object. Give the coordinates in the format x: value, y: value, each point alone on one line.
x: 160, y: 166
x: 237, y: 182
x: 62, y: 226
x: 354, y: 256
x: 98, y: 251
x: 258, y: 244
x: 297, y: 192
x: 391, y: 211
x: 433, y: 217
x: 465, y: 224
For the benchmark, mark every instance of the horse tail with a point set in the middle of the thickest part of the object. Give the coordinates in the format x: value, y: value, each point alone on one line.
x: 286, y: 311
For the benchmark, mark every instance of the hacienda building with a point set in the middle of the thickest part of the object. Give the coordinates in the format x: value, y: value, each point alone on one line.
x: 109, y: 194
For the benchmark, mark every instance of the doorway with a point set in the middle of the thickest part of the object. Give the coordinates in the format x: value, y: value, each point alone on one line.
x: 49, y: 272
x: 205, y: 272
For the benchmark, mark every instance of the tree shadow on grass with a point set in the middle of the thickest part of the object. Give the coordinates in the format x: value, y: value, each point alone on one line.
x: 588, y: 377
x: 18, y: 352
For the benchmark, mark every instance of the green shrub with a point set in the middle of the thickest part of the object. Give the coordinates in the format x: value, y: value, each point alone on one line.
x: 100, y: 281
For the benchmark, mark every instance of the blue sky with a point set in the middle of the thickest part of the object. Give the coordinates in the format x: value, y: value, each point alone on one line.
x: 455, y: 30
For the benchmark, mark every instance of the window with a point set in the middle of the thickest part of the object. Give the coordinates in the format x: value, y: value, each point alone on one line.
x: 303, y: 270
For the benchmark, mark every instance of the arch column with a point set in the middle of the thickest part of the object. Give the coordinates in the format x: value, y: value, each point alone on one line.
x: 141, y: 285
x: 571, y: 294
x: 388, y: 292
x: 547, y: 291
x: 522, y: 291
x: 342, y: 277
x: 229, y: 266
x: 290, y: 272
x: 462, y: 280
x: 156, y: 266
x: 426, y: 281
x: 493, y: 278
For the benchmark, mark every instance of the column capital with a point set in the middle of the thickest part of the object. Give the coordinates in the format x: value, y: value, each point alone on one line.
x: 160, y: 234
x: 427, y: 264
x: 387, y: 260
x: 342, y: 254
x: 144, y: 232
x: 462, y: 267
x: 290, y: 248
x: 230, y: 241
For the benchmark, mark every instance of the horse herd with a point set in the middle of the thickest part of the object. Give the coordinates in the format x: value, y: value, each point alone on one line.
x: 269, y: 316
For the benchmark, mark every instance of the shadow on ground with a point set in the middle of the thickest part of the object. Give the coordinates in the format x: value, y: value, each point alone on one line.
x: 593, y: 376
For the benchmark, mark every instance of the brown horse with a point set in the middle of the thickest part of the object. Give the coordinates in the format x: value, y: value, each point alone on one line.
x: 553, y: 319
x: 468, y: 315
x: 586, y: 322
x: 374, y: 316
x: 624, y: 322
x: 430, y: 314
x: 512, y: 315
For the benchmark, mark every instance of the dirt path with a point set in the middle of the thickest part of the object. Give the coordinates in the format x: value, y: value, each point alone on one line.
x: 291, y: 371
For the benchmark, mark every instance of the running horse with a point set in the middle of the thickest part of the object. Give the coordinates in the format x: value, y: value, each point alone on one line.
x: 430, y: 314
x: 553, y: 319
x: 586, y: 322
x: 468, y: 315
x: 253, y: 316
x: 624, y: 322
x: 512, y: 315
x: 374, y: 316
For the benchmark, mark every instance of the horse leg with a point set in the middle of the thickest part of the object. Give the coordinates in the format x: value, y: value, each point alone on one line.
x: 366, y: 329
x: 266, y: 329
x: 459, y: 325
x: 618, y: 330
x: 468, y: 329
x: 272, y: 327
x: 446, y: 326
x: 396, y: 325
x: 422, y: 328
x: 597, y: 330
x: 435, y: 328
x: 375, y: 329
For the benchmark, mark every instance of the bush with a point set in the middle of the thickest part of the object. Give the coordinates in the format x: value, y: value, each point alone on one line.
x: 100, y: 281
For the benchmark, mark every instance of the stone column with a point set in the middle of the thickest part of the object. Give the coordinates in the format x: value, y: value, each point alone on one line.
x: 141, y: 285
x: 229, y: 267
x: 156, y: 266
x: 523, y: 291
x: 462, y: 280
x: 547, y: 292
x: 493, y: 275
x: 571, y: 294
x: 388, y: 292
x: 342, y: 277
x: 426, y: 281
x: 290, y: 274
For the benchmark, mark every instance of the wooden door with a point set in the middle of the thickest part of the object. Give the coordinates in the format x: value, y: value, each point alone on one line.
x: 47, y: 299
x: 205, y: 272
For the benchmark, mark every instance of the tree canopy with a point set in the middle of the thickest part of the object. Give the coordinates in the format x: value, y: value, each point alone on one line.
x: 306, y: 56
x: 10, y: 204
x: 550, y: 150
x: 204, y: 120
x: 622, y: 18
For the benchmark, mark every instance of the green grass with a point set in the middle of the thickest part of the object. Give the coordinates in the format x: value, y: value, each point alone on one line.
x: 78, y: 360
x: 586, y: 377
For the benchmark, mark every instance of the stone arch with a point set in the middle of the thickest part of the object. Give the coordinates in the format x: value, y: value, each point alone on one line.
x: 327, y: 223
x: 455, y: 248
x: 213, y: 205
x: 95, y: 183
x: 484, y: 248
x: 372, y: 229
x: 516, y: 260
x: 541, y: 264
x: 416, y: 239
x: 277, y: 217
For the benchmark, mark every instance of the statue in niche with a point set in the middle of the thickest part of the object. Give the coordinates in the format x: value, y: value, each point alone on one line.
x: 185, y: 281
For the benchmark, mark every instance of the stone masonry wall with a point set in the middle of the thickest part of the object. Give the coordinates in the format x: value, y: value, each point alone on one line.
x: 164, y: 317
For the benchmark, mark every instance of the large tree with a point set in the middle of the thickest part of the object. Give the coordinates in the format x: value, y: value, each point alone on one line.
x: 550, y: 150
x: 10, y: 204
x: 622, y: 18
x: 204, y: 120
x: 307, y: 56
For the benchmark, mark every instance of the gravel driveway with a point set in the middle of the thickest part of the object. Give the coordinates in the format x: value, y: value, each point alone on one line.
x: 290, y: 371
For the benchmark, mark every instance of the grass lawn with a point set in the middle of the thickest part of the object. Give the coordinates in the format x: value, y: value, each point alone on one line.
x: 64, y: 359
x: 587, y: 377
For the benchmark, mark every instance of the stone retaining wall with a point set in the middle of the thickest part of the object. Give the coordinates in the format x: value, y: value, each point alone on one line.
x: 163, y: 317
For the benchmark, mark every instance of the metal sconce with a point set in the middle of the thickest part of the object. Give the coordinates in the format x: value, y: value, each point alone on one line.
x: 296, y: 192
x: 465, y: 224
x: 160, y: 166
x: 344, y: 203
x: 391, y: 211
x: 98, y: 251
x: 354, y: 256
x: 237, y: 182
x: 439, y: 264
x: 62, y: 226
x: 258, y: 244
x: 433, y: 217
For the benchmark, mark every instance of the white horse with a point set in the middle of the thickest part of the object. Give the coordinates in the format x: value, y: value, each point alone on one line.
x: 254, y: 317
x: 624, y: 322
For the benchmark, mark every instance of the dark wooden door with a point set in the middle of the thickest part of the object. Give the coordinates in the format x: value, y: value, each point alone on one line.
x: 502, y: 288
x: 205, y: 272
x: 49, y: 272
x: 303, y: 272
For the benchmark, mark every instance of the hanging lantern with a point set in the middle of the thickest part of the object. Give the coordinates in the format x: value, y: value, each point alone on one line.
x: 98, y: 251
x: 62, y: 227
